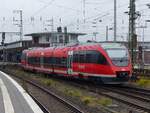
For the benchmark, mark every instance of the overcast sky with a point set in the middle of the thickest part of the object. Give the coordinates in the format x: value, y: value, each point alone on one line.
x: 70, y: 13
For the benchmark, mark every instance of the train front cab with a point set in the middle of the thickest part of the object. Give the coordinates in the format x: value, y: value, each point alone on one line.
x: 120, y: 63
x: 103, y: 65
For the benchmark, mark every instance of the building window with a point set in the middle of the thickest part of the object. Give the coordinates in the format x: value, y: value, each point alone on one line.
x: 54, y: 39
x: 47, y: 39
x: 73, y: 38
x: 35, y: 40
x: 60, y: 39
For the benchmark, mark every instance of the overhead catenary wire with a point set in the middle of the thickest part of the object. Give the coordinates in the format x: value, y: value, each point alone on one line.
x: 45, y: 6
x: 108, y: 17
x: 98, y: 16
x: 110, y: 10
x: 65, y: 8
x: 94, y: 15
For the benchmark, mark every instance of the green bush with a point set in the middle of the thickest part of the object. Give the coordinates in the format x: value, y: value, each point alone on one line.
x: 104, y: 101
x: 48, y: 82
x: 143, y: 82
x: 71, y: 92
x: 87, y: 100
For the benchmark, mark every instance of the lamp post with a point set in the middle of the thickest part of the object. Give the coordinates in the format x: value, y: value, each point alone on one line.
x: 20, y: 24
x: 50, y: 22
x: 115, y: 20
x: 95, y: 26
x: 3, y: 44
x: 107, y: 31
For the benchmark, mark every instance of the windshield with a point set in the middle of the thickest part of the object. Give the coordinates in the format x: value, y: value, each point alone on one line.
x: 119, y: 57
x: 117, y: 53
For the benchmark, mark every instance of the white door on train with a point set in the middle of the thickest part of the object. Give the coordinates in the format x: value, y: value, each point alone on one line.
x: 69, y: 62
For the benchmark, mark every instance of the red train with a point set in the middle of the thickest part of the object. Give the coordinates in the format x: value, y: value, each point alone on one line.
x: 105, y: 62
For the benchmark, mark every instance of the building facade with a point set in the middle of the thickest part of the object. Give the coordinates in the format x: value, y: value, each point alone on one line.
x: 12, y: 51
x: 54, y: 38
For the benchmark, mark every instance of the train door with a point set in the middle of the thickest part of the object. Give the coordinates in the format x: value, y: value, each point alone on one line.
x: 69, y: 62
x: 26, y: 63
x: 42, y: 60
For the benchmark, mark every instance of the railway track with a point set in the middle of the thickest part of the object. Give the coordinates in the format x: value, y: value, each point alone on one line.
x: 139, y: 95
x: 75, y: 110
x: 138, y: 98
x: 142, y: 72
x: 129, y: 97
x: 71, y: 108
x: 43, y: 108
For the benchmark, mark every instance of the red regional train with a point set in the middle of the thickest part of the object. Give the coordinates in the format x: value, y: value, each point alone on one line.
x: 104, y: 62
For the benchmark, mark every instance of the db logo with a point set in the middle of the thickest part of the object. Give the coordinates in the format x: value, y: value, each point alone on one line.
x: 81, y: 66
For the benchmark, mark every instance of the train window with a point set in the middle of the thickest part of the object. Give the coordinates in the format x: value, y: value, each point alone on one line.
x: 54, y: 60
x: 98, y: 58
x: 90, y: 56
x: 79, y: 57
x: 30, y: 60
x: 38, y: 60
x: 48, y: 61
x: 102, y: 59
x: 64, y: 62
x: 57, y: 61
x: 34, y: 60
x: 75, y: 56
x: 82, y: 57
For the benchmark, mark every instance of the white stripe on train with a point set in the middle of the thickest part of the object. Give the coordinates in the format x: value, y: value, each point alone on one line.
x: 73, y: 73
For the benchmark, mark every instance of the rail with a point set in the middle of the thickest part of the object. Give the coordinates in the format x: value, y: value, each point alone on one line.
x: 68, y: 104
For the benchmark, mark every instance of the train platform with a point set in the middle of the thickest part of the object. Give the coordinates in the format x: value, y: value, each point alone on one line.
x: 14, y: 99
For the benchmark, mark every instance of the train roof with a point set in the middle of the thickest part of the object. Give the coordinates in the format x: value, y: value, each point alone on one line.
x: 103, y: 45
x: 112, y: 45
